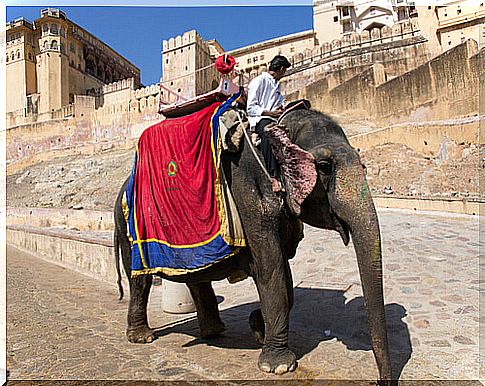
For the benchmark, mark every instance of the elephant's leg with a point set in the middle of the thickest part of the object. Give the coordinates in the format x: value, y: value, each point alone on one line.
x: 138, y: 330
x: 210, y: 324
x: 256, y: 321
x: 275, y: 289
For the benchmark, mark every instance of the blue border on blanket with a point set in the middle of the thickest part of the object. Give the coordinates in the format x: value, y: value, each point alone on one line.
x: 159, y: 255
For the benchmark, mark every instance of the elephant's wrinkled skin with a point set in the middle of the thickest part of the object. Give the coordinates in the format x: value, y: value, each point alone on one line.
x: 339, y: 201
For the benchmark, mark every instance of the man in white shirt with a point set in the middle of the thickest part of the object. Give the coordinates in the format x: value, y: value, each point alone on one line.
x: 265, y: 104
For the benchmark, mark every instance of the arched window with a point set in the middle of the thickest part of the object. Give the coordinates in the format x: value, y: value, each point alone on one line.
x: 7, y: 58
x: 54, y: 29
x: 46, y: 45
x: 30, y: 56
x: 54, y: 45
x: 62, y: 32
x: 18, y: 54
x: 12, y: 56
x: 45, y: 29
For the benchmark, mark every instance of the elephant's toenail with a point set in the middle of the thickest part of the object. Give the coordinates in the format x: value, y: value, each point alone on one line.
x: 265, y: 367
x: 281, y: 369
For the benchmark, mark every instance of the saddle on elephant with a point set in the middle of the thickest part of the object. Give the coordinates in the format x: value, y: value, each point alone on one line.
x: 180, y: 213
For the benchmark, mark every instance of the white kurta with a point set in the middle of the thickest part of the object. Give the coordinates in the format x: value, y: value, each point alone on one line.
x: 263, y: 94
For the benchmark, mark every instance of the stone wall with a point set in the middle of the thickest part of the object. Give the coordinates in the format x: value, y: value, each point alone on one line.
x: 435, y: 90
x: 400, y: 49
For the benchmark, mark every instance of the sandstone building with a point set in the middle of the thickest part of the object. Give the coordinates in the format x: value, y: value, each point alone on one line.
x: 188, y: 70
x: 50, y: 61
x: 66, y: 88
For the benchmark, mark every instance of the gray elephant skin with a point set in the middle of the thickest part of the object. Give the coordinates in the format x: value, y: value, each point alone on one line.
x: 340, y: 201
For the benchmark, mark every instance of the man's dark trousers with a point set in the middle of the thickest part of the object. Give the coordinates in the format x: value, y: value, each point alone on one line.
x: 268, y: 155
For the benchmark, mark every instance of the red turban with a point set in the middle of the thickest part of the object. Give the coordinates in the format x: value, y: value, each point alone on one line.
x: 225, y: 64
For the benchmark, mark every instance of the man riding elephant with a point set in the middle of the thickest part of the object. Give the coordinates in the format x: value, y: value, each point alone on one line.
x: 265, y: 105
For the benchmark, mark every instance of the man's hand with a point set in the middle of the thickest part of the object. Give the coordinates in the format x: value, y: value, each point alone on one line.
x: 275, y: 113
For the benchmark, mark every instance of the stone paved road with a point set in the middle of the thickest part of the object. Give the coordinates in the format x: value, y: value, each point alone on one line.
x: 62, y: 325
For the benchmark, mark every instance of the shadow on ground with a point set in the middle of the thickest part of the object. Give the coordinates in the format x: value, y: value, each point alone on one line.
x: 318, y: 315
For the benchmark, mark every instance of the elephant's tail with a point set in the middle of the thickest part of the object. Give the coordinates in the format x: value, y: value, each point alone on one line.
x: 117, y: 263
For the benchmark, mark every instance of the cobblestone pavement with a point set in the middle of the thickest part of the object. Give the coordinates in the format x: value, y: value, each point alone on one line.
x: 62, y: 325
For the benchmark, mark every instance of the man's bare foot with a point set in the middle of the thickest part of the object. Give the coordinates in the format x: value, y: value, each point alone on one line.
x: 254, y: 138
x: 275, y: 185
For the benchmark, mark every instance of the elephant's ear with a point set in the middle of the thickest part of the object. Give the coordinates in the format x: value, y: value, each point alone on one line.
x: 297, y: 167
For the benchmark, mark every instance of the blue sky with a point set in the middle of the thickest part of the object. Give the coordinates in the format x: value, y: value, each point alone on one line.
x: 137, y: 32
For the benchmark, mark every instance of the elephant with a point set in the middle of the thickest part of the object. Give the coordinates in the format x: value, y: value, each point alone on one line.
x: 340, y: 200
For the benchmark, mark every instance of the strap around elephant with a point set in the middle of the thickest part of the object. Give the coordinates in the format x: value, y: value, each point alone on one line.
x: 251, y: 146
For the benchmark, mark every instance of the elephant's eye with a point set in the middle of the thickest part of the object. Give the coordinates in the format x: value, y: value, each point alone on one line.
x: 325, y: 166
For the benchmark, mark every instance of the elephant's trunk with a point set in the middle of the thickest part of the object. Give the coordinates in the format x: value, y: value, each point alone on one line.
x: 352, y: 203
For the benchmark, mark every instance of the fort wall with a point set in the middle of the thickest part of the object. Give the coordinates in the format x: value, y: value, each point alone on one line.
x: 390, y: 82
x: 433, y: 91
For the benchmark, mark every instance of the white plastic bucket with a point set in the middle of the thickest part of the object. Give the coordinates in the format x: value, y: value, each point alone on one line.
x: 176, y: 298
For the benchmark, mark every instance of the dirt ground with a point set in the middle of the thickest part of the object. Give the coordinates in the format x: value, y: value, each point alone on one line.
x: 92, y: 182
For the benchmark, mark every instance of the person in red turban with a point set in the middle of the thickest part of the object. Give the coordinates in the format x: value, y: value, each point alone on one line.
x: 225, y: 64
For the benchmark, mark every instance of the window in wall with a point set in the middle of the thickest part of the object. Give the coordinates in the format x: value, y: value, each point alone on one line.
x: 54, y: 29
x: 255, y: 59
x: 347, y: 27
x: 63, y: 32
x: 346, y: 11
x: 7, y: 57
x: 261, y: 57
x: 46, y: 44
x: 54, y: 45
x: 292, y: 49
x: 166, y: 61
x: 30, y: 56
x: 335, y: 19
x: 45, y: 29
x: 18, y: 54
x: 458, y: 11
x: 249, y: 60
x: 12, y: 56
x: 71, y: 47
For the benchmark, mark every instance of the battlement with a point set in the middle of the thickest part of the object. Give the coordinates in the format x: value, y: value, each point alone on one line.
x: 145, y: 92
x: 375, y: 37
x: 188, y: 37
x: 118, y: 86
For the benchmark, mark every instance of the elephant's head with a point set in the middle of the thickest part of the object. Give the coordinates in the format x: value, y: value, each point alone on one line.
x: 339, y: 199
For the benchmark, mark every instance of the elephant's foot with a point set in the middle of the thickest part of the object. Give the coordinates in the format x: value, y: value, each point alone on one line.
x: 277, y: 361
x: 142, y: 334
x: 256, y: 323
x: 212, y: 329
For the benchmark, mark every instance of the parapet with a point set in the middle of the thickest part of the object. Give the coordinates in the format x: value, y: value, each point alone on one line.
x: 374, y: 37
x: 178, y: 41
x: 119, y: 85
